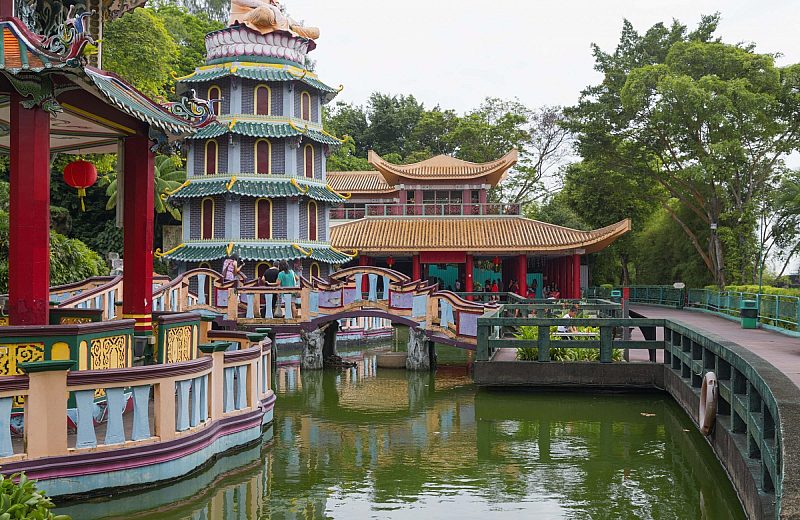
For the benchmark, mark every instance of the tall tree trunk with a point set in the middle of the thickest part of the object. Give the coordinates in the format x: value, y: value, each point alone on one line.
x: 623, y: 258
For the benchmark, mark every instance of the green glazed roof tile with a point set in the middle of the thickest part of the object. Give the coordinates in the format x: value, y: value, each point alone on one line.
x: 268, y: 187
x: 259, y: 74
x: 266, y: 129
x: 257, y: 252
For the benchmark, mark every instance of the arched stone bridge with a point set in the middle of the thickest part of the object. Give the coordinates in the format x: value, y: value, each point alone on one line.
x: 361, y: 291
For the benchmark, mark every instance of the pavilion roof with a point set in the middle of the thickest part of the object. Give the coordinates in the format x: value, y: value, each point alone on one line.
x: 256, y: 251
x: 359, y: 182
x: 444, y: 167
x: 41, y: 70
x: 260, y: 72
x: 470, y: 234
x: 266, y: 186
x: 274, y: 127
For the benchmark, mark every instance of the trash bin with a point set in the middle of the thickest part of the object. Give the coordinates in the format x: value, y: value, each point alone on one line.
x: 616, y: 295
x: 748, y: 311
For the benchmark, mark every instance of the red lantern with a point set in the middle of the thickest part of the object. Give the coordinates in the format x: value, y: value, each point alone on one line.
x: 80, y: 174
x: 496, y: 260
x: 390, y: 261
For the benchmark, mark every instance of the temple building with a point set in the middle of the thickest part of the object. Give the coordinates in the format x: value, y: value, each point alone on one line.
x: 432, y: 220
x: 256, y: 178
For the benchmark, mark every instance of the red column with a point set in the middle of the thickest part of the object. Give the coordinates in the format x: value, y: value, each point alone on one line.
x: 29, y: 219
x: 416, y: 271
x: 469, y: 267
x: 364, y: 261
x: 576, y: 276
x: 137, y: 283
x: 562, y: 278
x: 522, y: 274
x: 417, y: 202
x: 568, y: 276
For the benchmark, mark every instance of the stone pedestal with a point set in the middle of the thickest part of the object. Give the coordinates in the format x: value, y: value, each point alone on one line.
x: 420, y: 351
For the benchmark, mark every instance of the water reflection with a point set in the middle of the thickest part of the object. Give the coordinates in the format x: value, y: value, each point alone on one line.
x: 369, y: 443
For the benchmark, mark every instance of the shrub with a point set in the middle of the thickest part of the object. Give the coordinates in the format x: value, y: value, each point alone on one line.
x: 561, y: 354
x: 21, y: 500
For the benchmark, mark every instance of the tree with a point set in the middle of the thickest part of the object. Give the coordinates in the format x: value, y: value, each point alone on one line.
x: 344, y: 158
x: 138, y: 47
x: 168, y: 176
x: 188, y: 31
x: 604, y: 196
x: 709, y: 122
x: 717, y: 120
x: 70, y: 260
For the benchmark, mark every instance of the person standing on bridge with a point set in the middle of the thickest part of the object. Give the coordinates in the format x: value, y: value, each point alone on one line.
x: 288, y: 278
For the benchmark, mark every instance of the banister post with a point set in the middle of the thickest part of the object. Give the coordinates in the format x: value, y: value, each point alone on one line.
x: 205, y: 326
x: 217, y: 380
x: 46, y: 408
x: 305, y: 305
x: 233, y: 304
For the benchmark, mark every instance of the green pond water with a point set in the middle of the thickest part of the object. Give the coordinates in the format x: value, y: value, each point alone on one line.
x: 373, y: 443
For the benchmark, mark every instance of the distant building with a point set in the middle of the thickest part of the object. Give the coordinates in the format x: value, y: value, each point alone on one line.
x: 432, y: 220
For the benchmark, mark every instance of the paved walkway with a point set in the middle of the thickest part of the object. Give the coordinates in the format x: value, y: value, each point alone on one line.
x: 782, y: 351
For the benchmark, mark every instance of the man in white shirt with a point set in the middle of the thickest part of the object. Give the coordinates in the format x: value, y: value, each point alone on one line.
x: 563, y: 329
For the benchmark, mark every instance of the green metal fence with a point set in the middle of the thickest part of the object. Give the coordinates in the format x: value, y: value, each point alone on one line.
x: 782, y: 312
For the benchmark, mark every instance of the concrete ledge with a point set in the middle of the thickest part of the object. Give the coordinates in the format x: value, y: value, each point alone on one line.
x: 391, y: 360
x: 578, y: 374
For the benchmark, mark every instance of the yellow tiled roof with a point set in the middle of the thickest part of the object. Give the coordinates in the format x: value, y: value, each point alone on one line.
x: 444, y: 167
x: 470, y: 234
x: 356, y: 182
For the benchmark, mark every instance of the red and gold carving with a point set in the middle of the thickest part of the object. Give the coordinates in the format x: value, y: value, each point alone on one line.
x: 179, y: 345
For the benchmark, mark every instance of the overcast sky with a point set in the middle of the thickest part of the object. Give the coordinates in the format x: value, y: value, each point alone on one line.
x: 456, y: 53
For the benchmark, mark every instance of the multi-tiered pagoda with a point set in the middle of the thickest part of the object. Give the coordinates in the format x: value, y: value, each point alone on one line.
x: 256, y: 179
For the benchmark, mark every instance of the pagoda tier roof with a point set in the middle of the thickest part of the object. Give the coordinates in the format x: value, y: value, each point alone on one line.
x: 259, y: 72
x: 470, y: 234
x: 274, y: 127
x: 257, y: 251
x: 359, y: 182
x: 259, y: 186
x: 444, y: 167
x: 53, y: 79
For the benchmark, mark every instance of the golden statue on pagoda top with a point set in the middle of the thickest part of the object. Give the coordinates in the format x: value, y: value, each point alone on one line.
x: 266, y: 16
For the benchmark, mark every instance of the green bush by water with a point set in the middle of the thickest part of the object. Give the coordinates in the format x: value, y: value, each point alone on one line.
x: 21, y: 500
x: 766, y: 289
x: 561, y: 354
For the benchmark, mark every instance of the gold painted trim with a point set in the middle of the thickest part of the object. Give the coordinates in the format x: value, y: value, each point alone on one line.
x: 137, y: 316
x: 98, y: 119
x: 306, y: 253
x: 159, y: 254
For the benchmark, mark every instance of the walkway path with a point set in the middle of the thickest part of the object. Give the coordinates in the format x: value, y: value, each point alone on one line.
x: 780, y: 350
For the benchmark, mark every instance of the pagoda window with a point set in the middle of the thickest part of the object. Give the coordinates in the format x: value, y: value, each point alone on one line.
x: 308, y: 161
x: 263, y: 219
x: 261, y: 269
x: 207, y: 218
x: 214, y: 92
x: 209, y: 285
x: 314, y: 270
x: 313, y: 215
x: 263, y: 156
x: 263, y: 100
x: 305, y: 106
x: 211, y: 157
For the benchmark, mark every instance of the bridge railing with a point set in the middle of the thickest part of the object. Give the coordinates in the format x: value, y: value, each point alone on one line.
x: 166, y: 402
x: 779, y: 311
x: 748, y: 407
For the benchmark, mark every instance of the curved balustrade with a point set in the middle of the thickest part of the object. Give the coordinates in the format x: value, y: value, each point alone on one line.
x: 150, y: 415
